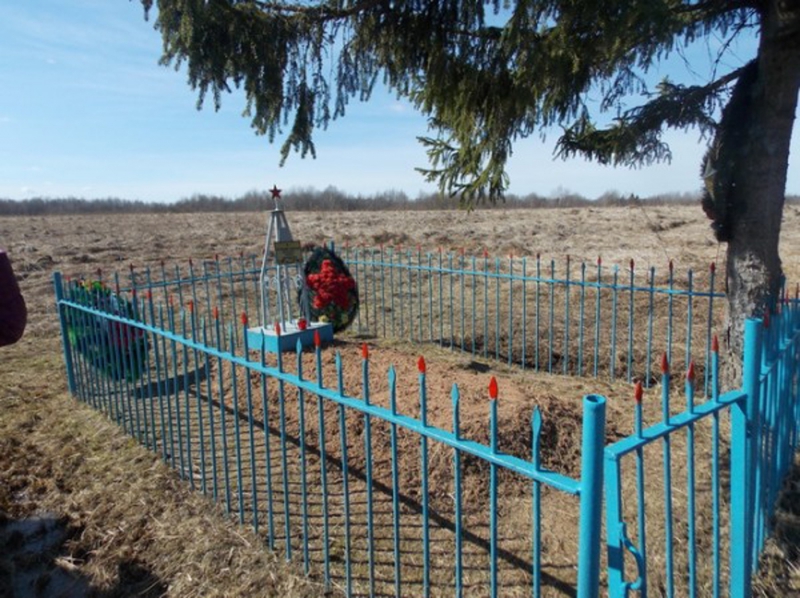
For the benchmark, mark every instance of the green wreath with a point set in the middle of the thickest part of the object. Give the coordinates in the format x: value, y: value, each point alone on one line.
x: 116, y: 349
x: 333, y: 292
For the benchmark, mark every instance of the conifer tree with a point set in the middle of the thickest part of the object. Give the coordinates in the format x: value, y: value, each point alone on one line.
x: 487, y: 74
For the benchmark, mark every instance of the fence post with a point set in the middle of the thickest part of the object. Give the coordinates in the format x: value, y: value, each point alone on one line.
x: 591, y: 505
x: 62, y: 318
x: 744, y: 420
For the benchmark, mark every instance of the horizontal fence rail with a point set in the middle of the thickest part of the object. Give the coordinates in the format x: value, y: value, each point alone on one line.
x: 563, y: 317
x: 717, y: 467
x: 282, y: 444
x: 377, y: 493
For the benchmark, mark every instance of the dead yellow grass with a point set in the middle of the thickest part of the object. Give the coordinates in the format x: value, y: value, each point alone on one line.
x: 131, y: 520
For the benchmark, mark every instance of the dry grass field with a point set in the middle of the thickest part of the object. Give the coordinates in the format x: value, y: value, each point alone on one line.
x: 111, y: 518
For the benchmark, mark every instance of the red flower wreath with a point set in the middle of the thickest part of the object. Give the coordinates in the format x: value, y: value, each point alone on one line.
x: 333, y: 291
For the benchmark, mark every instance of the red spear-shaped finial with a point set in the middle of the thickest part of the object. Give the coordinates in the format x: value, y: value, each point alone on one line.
x: 365, y: 351
x: 690, y: 372
x: 638, y: 392
x: 317, y: 339
x: 493, y: 388
x: 243, y: 317
x: 664, y: 364
x: 421, y: 365
x: 715, y: 344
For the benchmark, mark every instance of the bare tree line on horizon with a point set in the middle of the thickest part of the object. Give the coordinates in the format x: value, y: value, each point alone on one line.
x: 329, y: 199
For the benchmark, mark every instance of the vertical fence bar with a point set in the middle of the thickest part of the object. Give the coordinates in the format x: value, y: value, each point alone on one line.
x: 689, y: 315
x: 430, y: 297
x: 715, y: 502
x: 538, y: 307
x: 323, y: 458
x: 524, y: 356
x: 536, y: 507
x: 709, y: 326
x: 474, y: 301
x: 401, y: 297
x: 493, y: 488
x: 551, y: 289
x: 391, y: 289
x: 597, y: 315
x: 690, y: 485
x: 497, y: 308
x: 168, y: 387
x: 267, y: 448
x: 670, y: 307
x: 641, y: 525
x: 251, y: 436
x: 565, y: 358
x: 345, y: 475
x: 650, y: 317
x: 612, y: 366
x: 144, y: 366
x: 452, y: 315
x: 392, y: 376
x: 631, y: 322
x: 667, y: 449
x: 591, y: 497
x: 419, y: 295
x: 441, y: 300
x: 287, y: 525
x: 222, y: 412
x: 615, y: 529
x: 459, y: 547
x: 368, y: 467
x: 411, y: 299
x: 461, y: 277
x: 581, y: 318
x: 161, y: 385
x: 423, y: 409
x: 383, y: 291
x: 510, y: 309
x: 236, y: 427
x: 301, y: 422
x: 485, y: 303
x: 186, y: 402
x: 744, y: 420
x: 176, y: 386
x: 210, y: 406
x: 65, y: 344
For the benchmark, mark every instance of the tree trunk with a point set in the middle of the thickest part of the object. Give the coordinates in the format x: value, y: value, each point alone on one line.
x: 754, y: 274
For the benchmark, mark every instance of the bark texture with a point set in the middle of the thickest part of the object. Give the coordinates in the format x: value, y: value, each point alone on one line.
x: 754, y: 273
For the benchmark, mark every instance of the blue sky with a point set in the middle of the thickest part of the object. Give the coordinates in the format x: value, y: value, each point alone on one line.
x: 86, y: 111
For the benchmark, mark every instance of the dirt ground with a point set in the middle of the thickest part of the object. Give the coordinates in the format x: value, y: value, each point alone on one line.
x: 108, y: 518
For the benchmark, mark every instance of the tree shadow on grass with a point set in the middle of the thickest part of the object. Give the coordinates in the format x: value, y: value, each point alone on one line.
x: 33, y: 563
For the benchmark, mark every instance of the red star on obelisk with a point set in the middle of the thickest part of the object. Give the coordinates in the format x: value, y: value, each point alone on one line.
x: 276, y: 193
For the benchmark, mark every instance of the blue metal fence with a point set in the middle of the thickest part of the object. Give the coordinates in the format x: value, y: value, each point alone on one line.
x: 233, y: 421
x: 378, y: 499
x: 558, y: 317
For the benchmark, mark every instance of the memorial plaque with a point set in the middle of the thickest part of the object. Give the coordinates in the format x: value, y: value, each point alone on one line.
x: 288, y: 253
